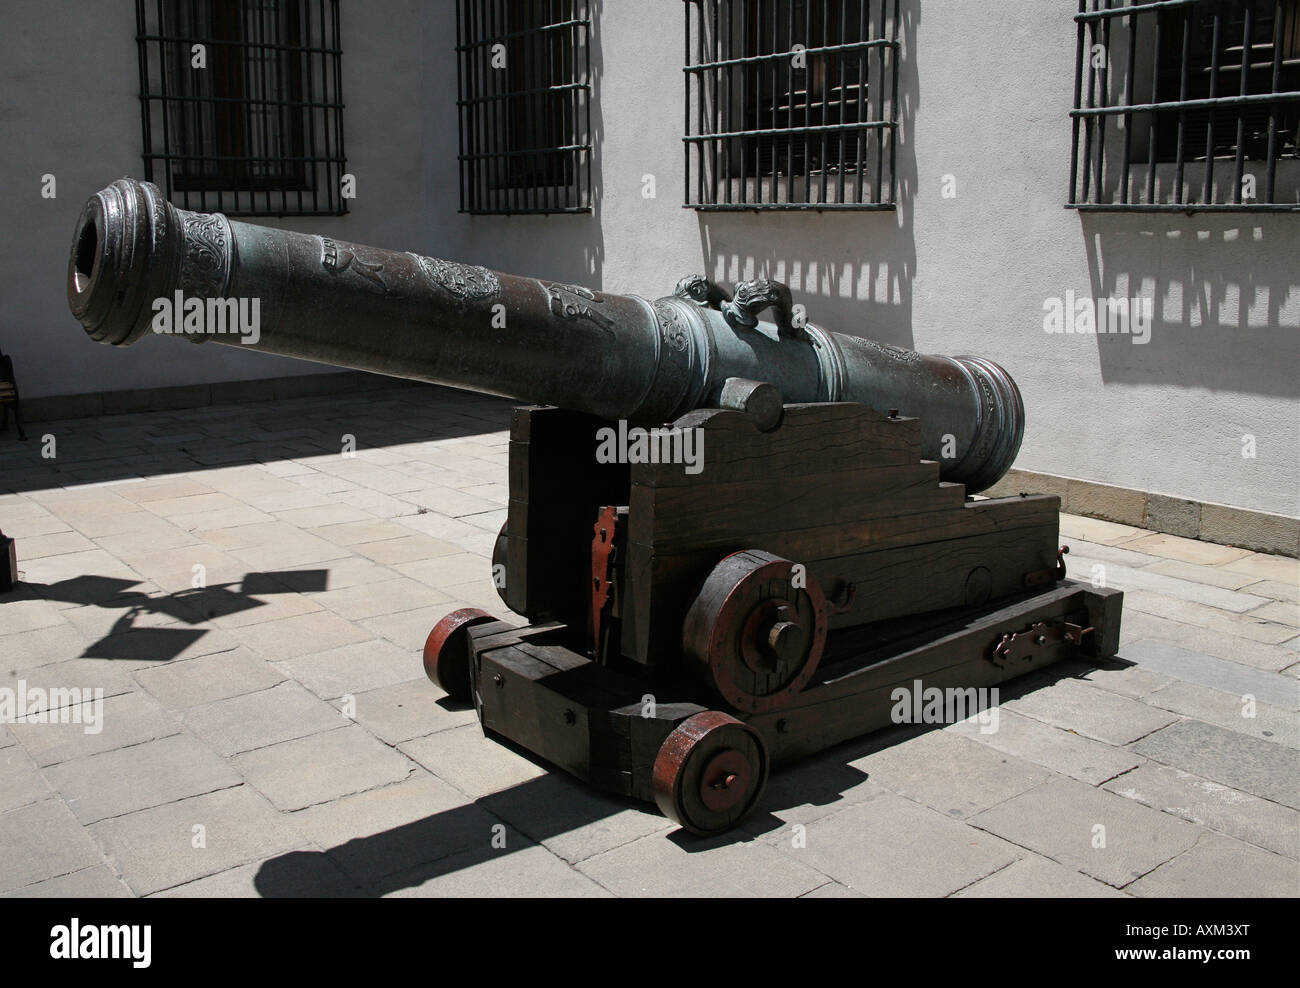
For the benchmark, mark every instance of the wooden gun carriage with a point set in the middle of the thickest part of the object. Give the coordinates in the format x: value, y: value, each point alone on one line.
x: 690, y: 631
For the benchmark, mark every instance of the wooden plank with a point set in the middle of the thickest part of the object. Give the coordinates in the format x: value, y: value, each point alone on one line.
x: 824, y: 541
x: 934, y: 575
x: 668, y: 518
x: 831, y: 436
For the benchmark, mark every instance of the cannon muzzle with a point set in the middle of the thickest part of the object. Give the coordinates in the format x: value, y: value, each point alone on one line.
x: 141, y: 265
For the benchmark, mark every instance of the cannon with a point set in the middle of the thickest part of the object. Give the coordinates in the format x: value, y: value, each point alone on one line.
x: 734, y: 535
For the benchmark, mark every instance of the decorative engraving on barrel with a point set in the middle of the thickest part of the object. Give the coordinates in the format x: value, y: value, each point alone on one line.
x: 576, y: 302
x: 462, y: 281
x: 336, y: 259
x: 205, y: 264
x: 671, y: 326
x: 897, y: 352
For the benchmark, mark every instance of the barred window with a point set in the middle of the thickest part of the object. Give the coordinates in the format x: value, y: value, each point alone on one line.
x: 1186, y: 105
x: 524, y: 105
x: 241, y: 104
x: 791, y: 104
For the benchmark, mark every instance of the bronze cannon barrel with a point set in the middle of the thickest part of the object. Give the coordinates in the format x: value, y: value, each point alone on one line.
x: 136, y: 257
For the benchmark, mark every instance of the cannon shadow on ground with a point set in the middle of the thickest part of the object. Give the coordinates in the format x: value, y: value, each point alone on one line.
x: 542, y: 809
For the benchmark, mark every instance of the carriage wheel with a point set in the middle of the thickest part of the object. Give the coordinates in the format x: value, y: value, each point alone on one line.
x: 446, y: 651
x: 756, y: 630
x: 710, y: 772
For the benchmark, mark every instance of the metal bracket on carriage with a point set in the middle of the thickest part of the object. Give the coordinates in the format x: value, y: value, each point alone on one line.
x: 602, y: 574
x: 1041, y: 577
x: 1023, y: 645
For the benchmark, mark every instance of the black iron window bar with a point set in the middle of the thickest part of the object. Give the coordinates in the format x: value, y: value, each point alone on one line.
x: 524, y: 106
x: 769, y: 125
x: 1179, y: 103
x: 256, y: 129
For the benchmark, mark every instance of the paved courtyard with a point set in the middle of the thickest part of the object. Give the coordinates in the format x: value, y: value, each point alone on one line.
x: 252, y: 602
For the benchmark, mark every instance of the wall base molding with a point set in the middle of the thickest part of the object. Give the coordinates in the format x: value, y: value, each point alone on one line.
x: 1259, y: 531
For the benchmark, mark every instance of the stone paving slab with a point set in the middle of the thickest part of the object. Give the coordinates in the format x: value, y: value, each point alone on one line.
x: 97, y: 882
x: 255, y: 720
x: 1210, y: 618
x: 1083, y: 709
x: 832, y: 890
x: 42, y: 841
x: 117, y: 722
x: 208, y: 678
x: 396, y: 828
x: 300, y: 773
x: 1130, y: 578
x: 1098, y: 833
x: 280, y: 703
x: 888, y: 846
x: 1220, y: 867
x: 1258, y: 767
x: 470, y: 762
x: 290, y: 637
x: 355, y: 668
x: 21, y: 782
x: 1137, y: 626
x: 402, y: 711
x: 1118, y: 675
x: 528, y: 872
x: 715, y: 867
x: 1034, y: 875
x: 953, y: 775
x: 570, y: 819
x: 1188, y: 550
x: 179, y: 842
x: 1063, y: 752
x: 1244, y: 714
x: 1211, y: 804
x: 136, y: 778
x: 1220, y: 674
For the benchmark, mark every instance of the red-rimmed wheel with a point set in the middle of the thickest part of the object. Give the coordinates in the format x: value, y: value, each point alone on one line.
x: 756, y: 630
x: 710, y: 772
x: 446, y: 651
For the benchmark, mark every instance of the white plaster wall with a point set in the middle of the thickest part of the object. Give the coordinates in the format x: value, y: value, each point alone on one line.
x: 69, y: 106
x: 985, y: 90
